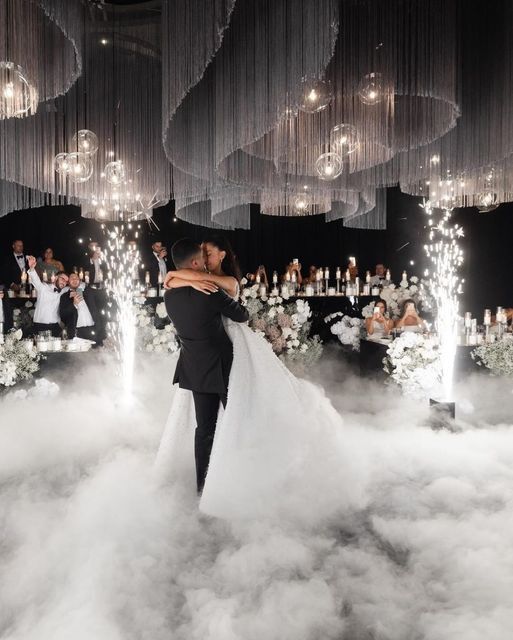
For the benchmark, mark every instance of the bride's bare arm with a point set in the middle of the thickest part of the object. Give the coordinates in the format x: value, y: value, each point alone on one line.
x: 227, y: 283
x: 200, y: 285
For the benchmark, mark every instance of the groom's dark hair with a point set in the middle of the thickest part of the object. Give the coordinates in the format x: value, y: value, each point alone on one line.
x: 183, y: 251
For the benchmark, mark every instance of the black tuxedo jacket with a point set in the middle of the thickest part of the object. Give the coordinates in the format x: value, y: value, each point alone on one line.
x: 87, y: 266
x: 69, y: 314
x: 206, y: 352
x: 152, y: 265
x: 10, y: 271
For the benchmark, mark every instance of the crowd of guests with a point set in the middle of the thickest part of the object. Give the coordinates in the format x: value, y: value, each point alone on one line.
x: 64, y: 301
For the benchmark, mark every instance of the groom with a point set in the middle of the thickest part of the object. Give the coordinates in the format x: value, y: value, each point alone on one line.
x: 206, y: 352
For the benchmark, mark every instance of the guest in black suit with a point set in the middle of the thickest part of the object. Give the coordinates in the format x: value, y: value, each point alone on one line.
x: 13, y: 265
x: 156, y: 263
x: 95, y: 265
x: 206, y: 352
x: 77, y: 310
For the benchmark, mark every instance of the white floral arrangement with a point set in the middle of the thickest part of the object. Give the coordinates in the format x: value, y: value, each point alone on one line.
x: 368, y: 310
x: 155, y: 332
x: 285, y: 326
x: 16, y: 361
x: 413, y: 362
x: 348, y: 330
x: 496, y: 356
x: 394, y: 296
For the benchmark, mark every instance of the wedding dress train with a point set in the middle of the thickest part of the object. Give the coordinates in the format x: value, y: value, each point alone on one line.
x: 279, y: 448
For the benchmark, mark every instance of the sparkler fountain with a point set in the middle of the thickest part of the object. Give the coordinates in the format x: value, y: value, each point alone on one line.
x: 445, y: 286
x: 123, y: 259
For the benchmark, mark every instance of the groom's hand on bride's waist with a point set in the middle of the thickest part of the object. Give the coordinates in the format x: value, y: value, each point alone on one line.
x: 204, y: 286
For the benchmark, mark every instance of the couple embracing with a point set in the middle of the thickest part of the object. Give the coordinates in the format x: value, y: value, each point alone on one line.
x: 252, y: 439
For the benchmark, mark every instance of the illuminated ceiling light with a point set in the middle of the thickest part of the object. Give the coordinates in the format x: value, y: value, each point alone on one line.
x: 328, y: 166
x: 316, y: 95
x: 344, y: 138
x: 371, y: 89
x: 18, y: 97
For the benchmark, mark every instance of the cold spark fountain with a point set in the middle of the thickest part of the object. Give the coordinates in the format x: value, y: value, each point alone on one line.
x: 445, y: 286
x: 123, y: 259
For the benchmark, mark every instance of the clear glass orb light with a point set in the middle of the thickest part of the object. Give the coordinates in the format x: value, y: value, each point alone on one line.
x: 80, y: 167
x: 371, y: 89
x: 18, y: 98
x: 85, y: 141
x: 329, y: 166
x: 115, y: 172
x: 61, y: 164
x: 301, y: 203
x: 344, y: 138
x: 315, y: 95
x: 487, y: 201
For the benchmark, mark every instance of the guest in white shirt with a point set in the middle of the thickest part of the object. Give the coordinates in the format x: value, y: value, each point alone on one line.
x: 157, y: 264
x: 46, y: 314
x: 77, y: 309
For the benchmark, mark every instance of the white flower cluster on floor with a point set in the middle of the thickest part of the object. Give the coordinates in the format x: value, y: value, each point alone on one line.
x: 497, y: 356
x: 155, y: 332
x: 348, y: 330
x: 394, y: 296
x: 413, y: 362
x: 16, y: 361
x: 285, y: 326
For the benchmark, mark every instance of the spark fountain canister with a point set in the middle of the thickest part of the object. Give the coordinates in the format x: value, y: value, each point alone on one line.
x: 445, y: 285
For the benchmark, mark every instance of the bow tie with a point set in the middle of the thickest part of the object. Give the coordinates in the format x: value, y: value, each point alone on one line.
x: 20, y: 256
x: 55, y: 290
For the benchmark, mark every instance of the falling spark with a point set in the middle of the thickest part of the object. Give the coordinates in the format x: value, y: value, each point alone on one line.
x: 123, y: 259
x: 445, y: 286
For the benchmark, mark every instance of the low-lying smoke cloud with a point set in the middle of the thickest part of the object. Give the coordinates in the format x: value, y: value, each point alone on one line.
x: 93, y: 547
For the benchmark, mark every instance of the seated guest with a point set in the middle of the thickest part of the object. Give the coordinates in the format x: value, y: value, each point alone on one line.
x: 46, y: 314
x: 379, y: 276
x: 311, y: 278
x: 157, y: 263
x: 49, y: 264
x: 77, y: 309
x: 291, y: 268
x: 95, y: 265
x: 13, y: 265
x: 379, y: 325
x: 410, y: 319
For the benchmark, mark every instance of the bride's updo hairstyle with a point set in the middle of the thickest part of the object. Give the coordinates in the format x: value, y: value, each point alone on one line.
x: 230, y: 264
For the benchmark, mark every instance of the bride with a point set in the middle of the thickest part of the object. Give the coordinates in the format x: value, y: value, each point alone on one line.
x: 279, y: 445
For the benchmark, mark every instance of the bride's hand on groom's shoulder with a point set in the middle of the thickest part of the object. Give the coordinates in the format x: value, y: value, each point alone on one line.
x: 204, y: 286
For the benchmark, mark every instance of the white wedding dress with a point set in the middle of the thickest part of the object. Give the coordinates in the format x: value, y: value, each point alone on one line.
x: 279, y: 448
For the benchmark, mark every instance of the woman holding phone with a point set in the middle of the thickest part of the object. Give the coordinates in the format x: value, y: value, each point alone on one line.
x: 410, y: 319
x: 378, y: 325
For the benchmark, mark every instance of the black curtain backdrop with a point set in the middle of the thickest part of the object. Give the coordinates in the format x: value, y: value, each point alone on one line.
x: 275, y: 241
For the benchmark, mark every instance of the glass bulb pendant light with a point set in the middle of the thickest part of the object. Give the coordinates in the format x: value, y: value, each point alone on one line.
x: 315, y: 95
x: 85, y: 141
x: 80, y: 167
x: 18, y: 98
x: 371, y: 89
x: 344, y: 138
x: 329, y: 166
x: 115, y: 172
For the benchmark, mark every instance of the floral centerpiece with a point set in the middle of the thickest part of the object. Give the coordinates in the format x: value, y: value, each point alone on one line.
x: 347, y: 329
x: 413, y: 362
x: 284, y: 324
x: 23, y: 317
x: 16, y: 361
x: 497, y: 356
x: 155, y: 332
